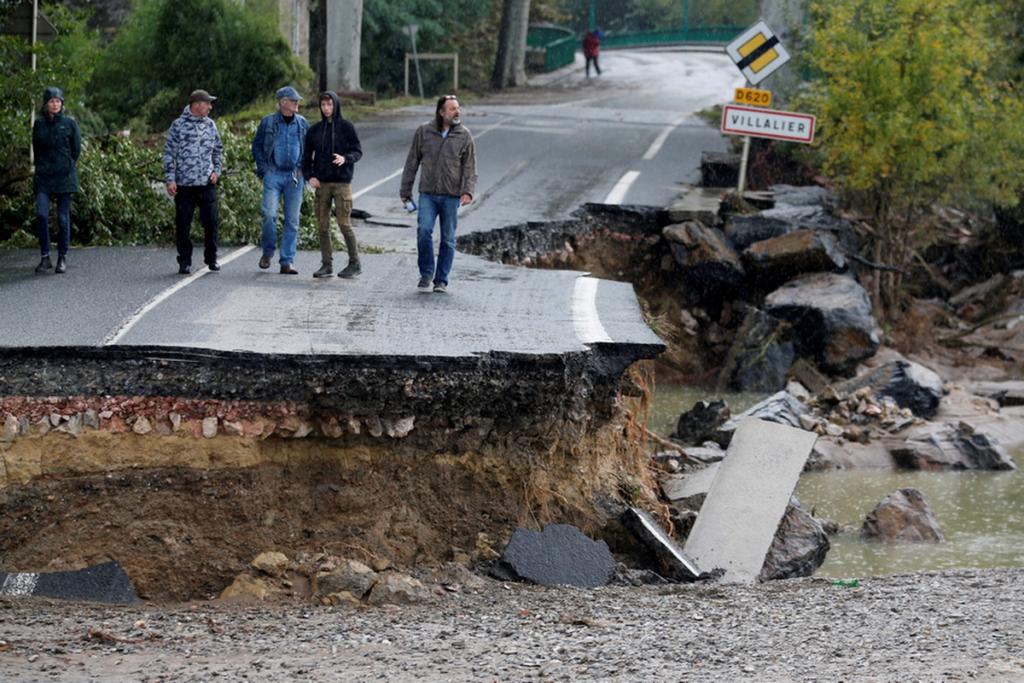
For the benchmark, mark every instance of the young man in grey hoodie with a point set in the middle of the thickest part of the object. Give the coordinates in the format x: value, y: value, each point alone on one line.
x: 193, y: 156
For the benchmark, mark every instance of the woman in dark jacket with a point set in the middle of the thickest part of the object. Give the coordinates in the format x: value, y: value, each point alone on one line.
x: 56, y: 143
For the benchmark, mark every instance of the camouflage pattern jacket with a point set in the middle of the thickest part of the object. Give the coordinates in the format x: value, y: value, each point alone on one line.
x: 193, y: 150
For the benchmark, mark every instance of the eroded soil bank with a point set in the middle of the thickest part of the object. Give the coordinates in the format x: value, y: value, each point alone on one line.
x: 184, y: 493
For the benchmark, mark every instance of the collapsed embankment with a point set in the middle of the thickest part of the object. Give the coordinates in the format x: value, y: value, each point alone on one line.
x: 183, y: 465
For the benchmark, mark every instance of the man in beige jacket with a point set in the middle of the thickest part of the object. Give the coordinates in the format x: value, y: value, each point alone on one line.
x: 444, y: 151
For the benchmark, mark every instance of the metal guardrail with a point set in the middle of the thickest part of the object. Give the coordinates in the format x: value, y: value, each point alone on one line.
x: 696, y: 34
x: 560, y: 53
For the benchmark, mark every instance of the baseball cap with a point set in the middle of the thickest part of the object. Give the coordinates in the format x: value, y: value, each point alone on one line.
x: 288, y: 93
x: 200, y: 96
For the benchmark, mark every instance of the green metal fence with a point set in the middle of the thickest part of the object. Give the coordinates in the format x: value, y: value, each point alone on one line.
x: 556, y: 43
x: 697, y: 35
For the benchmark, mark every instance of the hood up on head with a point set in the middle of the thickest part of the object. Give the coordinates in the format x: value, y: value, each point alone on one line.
x: 50, y: 93
x: 337, y: 104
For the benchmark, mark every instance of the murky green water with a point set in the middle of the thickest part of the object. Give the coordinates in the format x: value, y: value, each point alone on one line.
x: 981, y: 514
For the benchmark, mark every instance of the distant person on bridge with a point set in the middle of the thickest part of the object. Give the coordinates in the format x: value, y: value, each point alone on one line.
x: 56, y: 143
x: 332, y: 149
x: 278, y: 149
x: 445, y: 151
x: 591, y: 49
x: 192, y: 158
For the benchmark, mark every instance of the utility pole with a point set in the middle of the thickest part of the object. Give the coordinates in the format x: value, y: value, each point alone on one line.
x: 592, y: 15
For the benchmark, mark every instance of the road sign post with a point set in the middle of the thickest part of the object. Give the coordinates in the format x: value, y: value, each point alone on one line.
x: 757, y: 53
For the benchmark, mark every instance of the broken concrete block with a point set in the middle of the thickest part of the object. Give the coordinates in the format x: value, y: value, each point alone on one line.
x: 559, y: 555
x: 749, y: 496
x: 640, y: 522
x: 688, y: 490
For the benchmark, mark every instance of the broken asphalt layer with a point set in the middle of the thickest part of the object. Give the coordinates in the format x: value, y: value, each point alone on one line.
x: 503, y: 339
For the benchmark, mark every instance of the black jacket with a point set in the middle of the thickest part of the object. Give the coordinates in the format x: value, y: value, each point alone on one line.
x: 324, y: 140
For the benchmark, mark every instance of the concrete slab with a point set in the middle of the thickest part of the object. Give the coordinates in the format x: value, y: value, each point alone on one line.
x: 641, y: 523
x: 679, y: 487
x: 105, y: 582
x: 697, y: 204
x: 748, y: 498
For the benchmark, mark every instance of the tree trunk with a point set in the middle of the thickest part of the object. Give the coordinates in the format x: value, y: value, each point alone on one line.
x: 344, y: 38
x: 510, y: 63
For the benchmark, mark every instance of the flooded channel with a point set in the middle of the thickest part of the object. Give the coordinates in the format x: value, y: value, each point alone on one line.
x: 981, y: 514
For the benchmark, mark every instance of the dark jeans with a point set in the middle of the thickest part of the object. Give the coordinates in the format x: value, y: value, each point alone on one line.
x: 63, y: 222
x: 596, y: 67
x: 185, y: 202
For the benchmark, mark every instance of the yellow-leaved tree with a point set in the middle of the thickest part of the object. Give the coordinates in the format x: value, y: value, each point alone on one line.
x: 911, y: 113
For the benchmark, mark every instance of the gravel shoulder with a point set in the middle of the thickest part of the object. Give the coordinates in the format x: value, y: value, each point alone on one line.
x: 950, y: 626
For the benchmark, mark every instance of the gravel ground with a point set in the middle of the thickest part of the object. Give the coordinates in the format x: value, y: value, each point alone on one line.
x: 949, y: 626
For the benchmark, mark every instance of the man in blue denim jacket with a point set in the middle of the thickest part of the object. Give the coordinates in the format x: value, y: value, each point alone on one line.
x: 277, y: 149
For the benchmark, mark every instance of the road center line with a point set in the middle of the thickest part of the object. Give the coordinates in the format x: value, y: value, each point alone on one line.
x: 585, y: 318
x: 655, y: 147
x: 618, y: 192
x: 117, y: 335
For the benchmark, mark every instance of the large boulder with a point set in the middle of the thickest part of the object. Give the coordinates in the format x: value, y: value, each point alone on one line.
x: 781, y: 407
x: 799, y: 547
x: 903, y: 516
x: 708, y: 264
x: 831, y: 318
x: 909, y: 384
x: 398, y: 589
x: 699, y: 423
x: 351, y: 576
x: 773, y: 261
x: 939, y: 446
x: 745, y: 230
x: 760, y: 356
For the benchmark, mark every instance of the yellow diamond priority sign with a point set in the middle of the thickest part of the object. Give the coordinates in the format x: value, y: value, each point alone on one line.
x: 757, y: 52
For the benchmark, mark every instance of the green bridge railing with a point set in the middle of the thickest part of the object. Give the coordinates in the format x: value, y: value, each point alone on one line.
x: 558, y: 45
x: 697, y: 35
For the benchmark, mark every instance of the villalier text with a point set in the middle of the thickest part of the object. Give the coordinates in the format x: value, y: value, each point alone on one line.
x: 769, y: 123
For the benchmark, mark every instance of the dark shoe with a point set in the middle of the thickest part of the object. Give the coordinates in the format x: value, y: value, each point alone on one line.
x: 62, y: 265
x: 264, y: 262
x: 440, y: 288
x: 184, y: 269
x: 424, y: 284
x: 351, y: 270
x: 326, y: 270
x: 213, y: 266
x: 286, y: 269
x: 45, y: 264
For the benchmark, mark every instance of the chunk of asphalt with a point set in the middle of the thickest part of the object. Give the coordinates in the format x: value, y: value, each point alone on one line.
x: 558, y: 556
x: 105, y: 582
x: 747, y: 499
x: 640, y: 522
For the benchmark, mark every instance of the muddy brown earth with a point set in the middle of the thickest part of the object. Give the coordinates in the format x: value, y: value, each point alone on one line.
x: 952, y: 626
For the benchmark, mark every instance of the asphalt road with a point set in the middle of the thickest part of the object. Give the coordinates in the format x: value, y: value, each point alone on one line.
x: 629, y: 136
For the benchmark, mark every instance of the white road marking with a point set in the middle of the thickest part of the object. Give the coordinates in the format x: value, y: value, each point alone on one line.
x: 119, y: 334
x: 397, y: 173
x: 655, y: 147
x: 618, y: 192
x: 585, y: 318
x: 19, y: 584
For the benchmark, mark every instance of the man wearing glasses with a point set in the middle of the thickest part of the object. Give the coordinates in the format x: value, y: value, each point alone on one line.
x: 444, y: 151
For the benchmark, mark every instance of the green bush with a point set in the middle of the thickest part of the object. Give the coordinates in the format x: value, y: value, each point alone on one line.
x: 170, y: 47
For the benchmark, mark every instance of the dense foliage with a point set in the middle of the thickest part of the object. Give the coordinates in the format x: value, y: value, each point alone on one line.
x: 170, y: 47
x: 912, y: 112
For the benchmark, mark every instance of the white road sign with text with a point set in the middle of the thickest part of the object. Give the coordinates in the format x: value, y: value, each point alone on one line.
x: 768, y: 123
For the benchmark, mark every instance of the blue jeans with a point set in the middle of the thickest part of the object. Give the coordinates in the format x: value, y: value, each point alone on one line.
x: 275, y: 184
x: 432, y: 206
x: 63, y: 222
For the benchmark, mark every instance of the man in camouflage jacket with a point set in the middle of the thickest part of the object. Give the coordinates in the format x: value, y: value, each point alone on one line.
x: 193, y: 155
